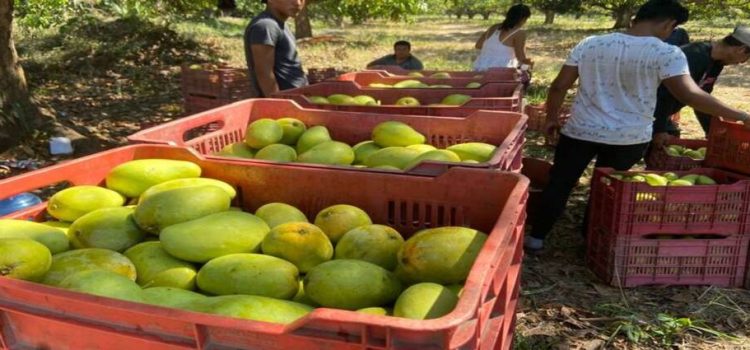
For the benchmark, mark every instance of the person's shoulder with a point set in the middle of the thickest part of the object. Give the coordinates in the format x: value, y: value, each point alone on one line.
x: 264, y: 20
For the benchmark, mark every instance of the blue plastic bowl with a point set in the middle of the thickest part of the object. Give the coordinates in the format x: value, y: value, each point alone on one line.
x: 18, y: 202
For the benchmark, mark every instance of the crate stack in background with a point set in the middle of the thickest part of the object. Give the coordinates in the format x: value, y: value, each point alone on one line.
x: 490, y: 196
x: 640, y: 234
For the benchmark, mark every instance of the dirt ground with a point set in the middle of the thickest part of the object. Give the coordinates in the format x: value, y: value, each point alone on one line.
x: 107, y: 89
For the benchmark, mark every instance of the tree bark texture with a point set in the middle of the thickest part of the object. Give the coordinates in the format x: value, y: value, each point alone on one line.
x: 549, y: 17
x: 302, y: 26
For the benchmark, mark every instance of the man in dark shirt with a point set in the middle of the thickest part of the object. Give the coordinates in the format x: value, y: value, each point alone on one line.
x: 706, y: 60
x: 271, y: 50
x: 402, y: 57
x: 678, y: 37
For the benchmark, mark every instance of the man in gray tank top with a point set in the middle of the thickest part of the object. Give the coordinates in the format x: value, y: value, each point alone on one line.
x: 271, y: 51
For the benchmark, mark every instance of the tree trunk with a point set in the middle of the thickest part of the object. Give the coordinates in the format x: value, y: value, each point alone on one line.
x: 18, y: 114
x: 549, y: 16
x: 302, y: 26
x: 622, y: 17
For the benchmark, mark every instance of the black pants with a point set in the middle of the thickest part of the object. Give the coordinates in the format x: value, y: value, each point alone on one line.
x: 572, y: 156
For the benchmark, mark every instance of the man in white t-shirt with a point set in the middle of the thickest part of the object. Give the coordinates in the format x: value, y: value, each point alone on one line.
x: 612, y: 116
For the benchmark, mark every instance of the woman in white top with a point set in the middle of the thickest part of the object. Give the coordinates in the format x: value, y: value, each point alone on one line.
x: 504, y: 45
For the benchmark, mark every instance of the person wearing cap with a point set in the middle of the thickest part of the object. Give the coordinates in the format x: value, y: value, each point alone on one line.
x: 401, y: 57
x: 706, y: 61
x: 271, y: 49
x: 612, y: 115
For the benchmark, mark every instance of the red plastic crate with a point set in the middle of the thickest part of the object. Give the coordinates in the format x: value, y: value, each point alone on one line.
x: 728, y: 146
x: 637, y: 209
x: 630, y: 261
x: 658, y: 159
x: 504, y: 129
x: 35, y: 315
x: 496, y: 74
x: 219, y: 83
x: 364, y: 79
x: 538, y: 118
x: 496, y: 96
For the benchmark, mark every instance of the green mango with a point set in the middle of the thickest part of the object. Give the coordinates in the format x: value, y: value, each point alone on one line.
x: 156, y: 268
x: 55, y: 239
x: 133, y: 177
x: 478, y: 151
x: 171, y: 297
x: 277, y: 153
x: 214, y: 235
x: 71, y: 262
x: 377, y: 244
x: 329, y: 153
x: 275, y: 214
x: 396, y: 134
x: 189, y: 182
x: 363, y: 150
x: 103, y: 283
x: 440, y: 155
x: 74, y: 202
x: 250, y: 274
x: 258, y: 308
x: 337, y: 220
x: 425, y: 301
x: 108, y: 228
x: 351, y: 285
x: 23, y: 258
x: 311, y: 137
x: 442, y: 255
x: 301, y: 243
x: 397, y: 157
x: 168, y: 207
x: 293, y: 129
x: 237, y: 150
x: 263, y: 132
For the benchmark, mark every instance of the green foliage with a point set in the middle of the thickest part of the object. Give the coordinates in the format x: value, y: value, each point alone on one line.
x: 471, y: 8
x: 46, y: 13
x: 558, y: 6
x: 359, y: 11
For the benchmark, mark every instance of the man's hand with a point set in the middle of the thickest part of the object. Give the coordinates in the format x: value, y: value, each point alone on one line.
x: 551, y: 128
x: 660, y: 140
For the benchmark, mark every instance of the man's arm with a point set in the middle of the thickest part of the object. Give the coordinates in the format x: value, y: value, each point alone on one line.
x: 519, y: 46
x: 685, y: 90
x: 556, y: 96
x: 263, y: 58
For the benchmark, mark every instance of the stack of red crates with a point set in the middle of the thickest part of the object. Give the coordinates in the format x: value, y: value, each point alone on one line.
x: 697, y: 235
x: 206, y: 86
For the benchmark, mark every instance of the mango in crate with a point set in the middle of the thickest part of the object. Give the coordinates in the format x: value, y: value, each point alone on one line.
x: 415, y: 74
x: 441, y: 255
x: 275, y: 214
x: 440, y: 155
x: 74, y: 202
x: 103, y: 283
x: 313, y: 136
x: 258, y: 308
x: 263, y: 132
x: 237, y: 150
x: 473, y: 85
x: 351, y: 285
x: 188, y: 182
x: 377, y: 244
x: 108, y: 228
x: 166, y: 208
x: 55, y: 239
x: 379, y: 311
x: 23, y: 258
x: 337, y: 220
x: 214, y: 235
x: 341, y: 99
x: 408, y: 84
x: 133, y: 177
x: 328, y: 152
x: 422, y: 148
x: 249, y: 274
x: 407, y: 101
x: 171, y: 297
x: 440, y: 75
x: 477, y: 151
x: 455, y: 99
x: 394, y: 157
x: 156, y: 268
x: 396, y: 134
x: 68, y: 263
x: 319, y: 100
x: 277, y: 153
x: 365, y: 100
x: 363, y: 150
x: 424, y: 301
x: 293, y: 129
x: 303, y: 244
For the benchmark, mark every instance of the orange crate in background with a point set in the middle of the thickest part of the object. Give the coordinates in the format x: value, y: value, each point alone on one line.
x: 494, y: 96
x: 227, y: 125
x: 209, y: 86
x: 36, y: 315
x: 728, y: 146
